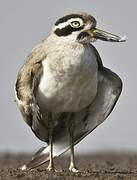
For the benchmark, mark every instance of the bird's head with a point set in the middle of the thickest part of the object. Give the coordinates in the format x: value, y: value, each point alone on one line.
x: 81, y: 27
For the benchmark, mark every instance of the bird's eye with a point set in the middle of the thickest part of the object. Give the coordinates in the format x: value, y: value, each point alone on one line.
x: 75, y: 24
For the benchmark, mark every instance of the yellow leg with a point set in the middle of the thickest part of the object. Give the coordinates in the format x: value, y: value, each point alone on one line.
x: 72, y: 166
x: 51, y: 162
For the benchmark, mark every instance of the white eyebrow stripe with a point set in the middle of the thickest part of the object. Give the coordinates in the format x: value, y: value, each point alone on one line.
x: 61, y: 25
x: 64, y: 24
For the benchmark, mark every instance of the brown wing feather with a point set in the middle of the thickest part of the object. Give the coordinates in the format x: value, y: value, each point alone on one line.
x: 26, y: 83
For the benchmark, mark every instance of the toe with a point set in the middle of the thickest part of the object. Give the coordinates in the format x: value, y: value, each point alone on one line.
x: 50, y: 168
x: 73, y: 169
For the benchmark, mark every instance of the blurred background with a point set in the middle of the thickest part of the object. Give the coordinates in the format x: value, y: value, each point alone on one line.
x: 25, y: 23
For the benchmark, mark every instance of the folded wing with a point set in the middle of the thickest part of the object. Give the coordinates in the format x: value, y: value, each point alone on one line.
x: 25, y: 87
x: 109, y: 89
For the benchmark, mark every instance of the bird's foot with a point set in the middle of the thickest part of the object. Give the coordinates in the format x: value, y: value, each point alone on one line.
x: 73, y: 169
x: 51, y: 168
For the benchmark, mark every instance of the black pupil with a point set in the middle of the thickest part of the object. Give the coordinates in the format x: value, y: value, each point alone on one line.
x: 76, y: 23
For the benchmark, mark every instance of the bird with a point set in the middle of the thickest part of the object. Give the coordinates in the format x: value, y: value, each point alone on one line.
x: 63, y: 90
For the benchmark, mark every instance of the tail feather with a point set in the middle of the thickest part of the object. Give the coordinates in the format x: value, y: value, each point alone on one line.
x: 42, y: 155
x: 39, y: 152
x: 39, y: 158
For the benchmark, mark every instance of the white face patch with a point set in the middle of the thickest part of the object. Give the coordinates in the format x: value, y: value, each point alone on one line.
x: 64, y: 24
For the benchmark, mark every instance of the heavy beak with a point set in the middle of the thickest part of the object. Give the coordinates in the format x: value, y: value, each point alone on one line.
x: 105, y: 36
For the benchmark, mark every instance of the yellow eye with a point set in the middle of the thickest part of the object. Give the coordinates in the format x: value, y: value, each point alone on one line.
x: 75, y: 24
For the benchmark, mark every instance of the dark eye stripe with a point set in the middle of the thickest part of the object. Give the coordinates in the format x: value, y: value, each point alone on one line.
x: 67, y: 30
x: 65, y: 18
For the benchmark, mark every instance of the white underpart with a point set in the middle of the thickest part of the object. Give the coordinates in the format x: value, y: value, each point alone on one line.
x: 69, y: 79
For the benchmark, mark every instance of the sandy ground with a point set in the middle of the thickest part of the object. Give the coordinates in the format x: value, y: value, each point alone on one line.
x: 101, y: 166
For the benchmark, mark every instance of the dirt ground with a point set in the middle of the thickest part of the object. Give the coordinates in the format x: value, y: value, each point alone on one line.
x: 101, y: 166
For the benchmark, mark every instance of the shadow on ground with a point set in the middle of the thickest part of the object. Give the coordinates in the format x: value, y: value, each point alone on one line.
x: 101, y: 166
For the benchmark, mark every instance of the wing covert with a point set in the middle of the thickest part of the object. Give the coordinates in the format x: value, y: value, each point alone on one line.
x: 27, y: 79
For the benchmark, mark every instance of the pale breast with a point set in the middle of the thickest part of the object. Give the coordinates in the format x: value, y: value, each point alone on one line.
x: 69, y: 80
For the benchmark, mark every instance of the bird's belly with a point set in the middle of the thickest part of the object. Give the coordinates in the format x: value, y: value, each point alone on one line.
x: 68, y: 84
x: 66, y: 96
